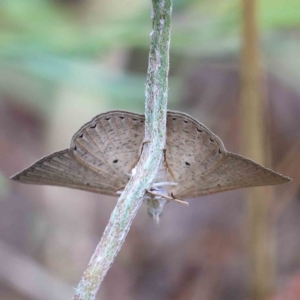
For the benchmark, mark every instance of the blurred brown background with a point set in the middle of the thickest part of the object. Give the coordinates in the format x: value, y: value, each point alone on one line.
x: 64, y: 61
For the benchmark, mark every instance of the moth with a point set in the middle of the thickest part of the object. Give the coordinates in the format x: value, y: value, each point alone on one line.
x: 104, y: 152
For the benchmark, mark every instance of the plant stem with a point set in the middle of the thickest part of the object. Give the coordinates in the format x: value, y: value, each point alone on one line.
x: 151, y: 157
x: 260, y: 235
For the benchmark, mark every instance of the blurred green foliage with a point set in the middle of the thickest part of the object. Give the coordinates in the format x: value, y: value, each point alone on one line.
x: 44, y: 43
x: 43, y: 25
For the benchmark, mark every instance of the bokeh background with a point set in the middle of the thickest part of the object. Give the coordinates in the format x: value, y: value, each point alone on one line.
x: 64, y: 61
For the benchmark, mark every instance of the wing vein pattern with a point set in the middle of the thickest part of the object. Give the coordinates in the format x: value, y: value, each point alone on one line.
x: 104, y: 151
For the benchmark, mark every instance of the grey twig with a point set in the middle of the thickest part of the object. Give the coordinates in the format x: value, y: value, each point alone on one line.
x: 151, y: 157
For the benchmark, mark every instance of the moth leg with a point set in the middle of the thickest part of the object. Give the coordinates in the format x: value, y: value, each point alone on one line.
x: 165, y: 157
x: 167, y: 197
x: 178, y: 200
x: 142, y: 146
x: 166, y: 164
x: 158, y: 184
x: 120, y: 190
x: 139, y: 155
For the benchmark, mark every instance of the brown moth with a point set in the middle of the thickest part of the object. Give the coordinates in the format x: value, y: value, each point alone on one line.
x: 104, y: 152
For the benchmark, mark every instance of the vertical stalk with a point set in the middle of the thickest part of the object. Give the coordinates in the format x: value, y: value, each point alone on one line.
x: 254, y: 141
x: 151, y: 157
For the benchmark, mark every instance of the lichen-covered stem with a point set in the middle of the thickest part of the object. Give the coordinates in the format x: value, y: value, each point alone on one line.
x: 147, y: 168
